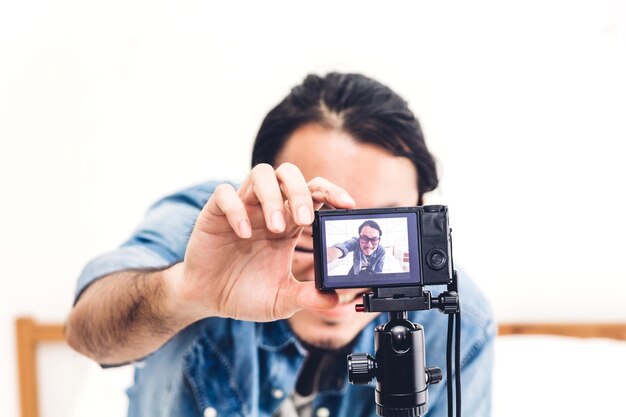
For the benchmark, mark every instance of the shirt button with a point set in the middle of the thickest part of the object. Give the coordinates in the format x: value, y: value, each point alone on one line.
x: 210, y: 412
x: 278, y: 393
x: 322, y: 412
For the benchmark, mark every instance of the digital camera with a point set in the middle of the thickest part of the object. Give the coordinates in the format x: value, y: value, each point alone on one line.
x: 378, y: 248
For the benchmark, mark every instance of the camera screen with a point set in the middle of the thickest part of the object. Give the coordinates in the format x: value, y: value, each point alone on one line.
x: 370, y: 250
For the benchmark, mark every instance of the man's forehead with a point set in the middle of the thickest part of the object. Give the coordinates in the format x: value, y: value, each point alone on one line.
x: 369, y: 230
x: 371, y: 174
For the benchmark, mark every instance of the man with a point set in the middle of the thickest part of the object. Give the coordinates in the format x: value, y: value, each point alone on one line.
x: 368, y: 257
x: 226, y: 320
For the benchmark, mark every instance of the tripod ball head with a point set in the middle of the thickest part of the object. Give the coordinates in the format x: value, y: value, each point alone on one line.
x: 402, y: 378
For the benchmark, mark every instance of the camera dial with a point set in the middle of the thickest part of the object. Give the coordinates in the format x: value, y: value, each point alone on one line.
x: 436, y: 259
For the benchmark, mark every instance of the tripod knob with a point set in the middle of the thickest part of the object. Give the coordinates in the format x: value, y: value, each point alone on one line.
x: 434, y: 375
x: 447, y: 302
x: 361, y: 368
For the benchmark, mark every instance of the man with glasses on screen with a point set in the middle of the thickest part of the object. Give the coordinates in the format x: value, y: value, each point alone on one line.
x: 226, y: 320
x: 368, y: 257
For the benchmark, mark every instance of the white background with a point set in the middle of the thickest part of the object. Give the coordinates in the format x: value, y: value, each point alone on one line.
x: 106, y: 106
x: 394, y: 230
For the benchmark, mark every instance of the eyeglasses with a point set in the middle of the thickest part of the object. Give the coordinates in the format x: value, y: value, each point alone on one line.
x: 373, y: 240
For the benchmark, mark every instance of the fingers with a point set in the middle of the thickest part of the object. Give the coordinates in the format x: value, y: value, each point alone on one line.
x: 270, y: 188
x: 295, y: 188
x: 262, y: 187
x: 226, y: 202
x: 325, y: 192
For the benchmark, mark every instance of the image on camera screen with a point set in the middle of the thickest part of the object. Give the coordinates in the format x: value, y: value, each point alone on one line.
x: 374, y: 250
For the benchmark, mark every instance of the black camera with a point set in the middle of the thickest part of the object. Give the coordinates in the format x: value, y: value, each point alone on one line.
x: 395, y: 252
x: 380, y: 248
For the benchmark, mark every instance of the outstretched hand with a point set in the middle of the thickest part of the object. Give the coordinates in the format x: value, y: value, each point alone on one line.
x: 238, y: 260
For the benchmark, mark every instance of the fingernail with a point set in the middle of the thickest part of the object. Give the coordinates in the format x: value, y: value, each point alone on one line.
x: 278, y: 221
x: 347, y: 199
x: 304, y: 214
x: 244, y: 228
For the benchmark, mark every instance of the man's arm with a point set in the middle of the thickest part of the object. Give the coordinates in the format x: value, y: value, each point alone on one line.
x: 478, y: 335
x: 127, y: 315
x: 346, y: 247
x: 332, y: 254
x: 476, y: 378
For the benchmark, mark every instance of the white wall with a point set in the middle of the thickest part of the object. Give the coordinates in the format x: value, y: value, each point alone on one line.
x: 105, y: 106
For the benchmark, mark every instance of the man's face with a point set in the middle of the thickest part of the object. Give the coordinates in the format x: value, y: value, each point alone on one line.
x: 374, y: 178
x: 369, y: 238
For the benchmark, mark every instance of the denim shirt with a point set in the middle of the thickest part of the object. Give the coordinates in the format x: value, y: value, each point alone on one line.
x: 226, y: 367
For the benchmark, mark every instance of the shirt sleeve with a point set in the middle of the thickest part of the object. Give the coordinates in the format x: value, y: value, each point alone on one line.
x: 347, y: 246
x: 159, y: 241
x: 478, y: 332
x: 476, y: 381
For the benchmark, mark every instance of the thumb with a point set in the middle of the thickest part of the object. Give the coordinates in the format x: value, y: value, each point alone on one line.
x: 304, y: 295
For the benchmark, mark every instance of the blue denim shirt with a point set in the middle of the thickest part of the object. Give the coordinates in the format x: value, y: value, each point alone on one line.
x: 225, y: 367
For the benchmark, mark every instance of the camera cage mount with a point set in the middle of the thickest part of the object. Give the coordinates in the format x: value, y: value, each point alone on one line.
x: 402, y: 378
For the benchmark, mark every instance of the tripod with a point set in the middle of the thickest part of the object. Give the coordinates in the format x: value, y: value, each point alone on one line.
x: 402, y: 378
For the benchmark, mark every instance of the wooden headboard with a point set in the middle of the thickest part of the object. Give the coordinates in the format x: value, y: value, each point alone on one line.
x: 31, y: 334
x: 605, y: 330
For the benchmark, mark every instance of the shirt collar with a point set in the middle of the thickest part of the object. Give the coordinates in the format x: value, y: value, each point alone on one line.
x: 276, y: 335
x: 363, y: 343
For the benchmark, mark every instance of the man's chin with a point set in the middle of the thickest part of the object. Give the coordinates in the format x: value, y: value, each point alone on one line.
x: 322, y: 343
x: 330, y: 329
x: 340, y: 313
x: 326, y: 335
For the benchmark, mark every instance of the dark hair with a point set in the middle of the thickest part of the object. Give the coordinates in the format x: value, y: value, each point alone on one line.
x: 367, y: 110
x: 372, y: 224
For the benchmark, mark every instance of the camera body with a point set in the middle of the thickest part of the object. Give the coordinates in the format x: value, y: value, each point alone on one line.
x: 381, y: 248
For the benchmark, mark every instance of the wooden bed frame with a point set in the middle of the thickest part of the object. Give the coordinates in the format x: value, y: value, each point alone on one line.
x: 605, y: 330
x: 30, y: 334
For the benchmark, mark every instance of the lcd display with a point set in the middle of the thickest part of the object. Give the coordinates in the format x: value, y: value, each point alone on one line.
x: 370, y: 250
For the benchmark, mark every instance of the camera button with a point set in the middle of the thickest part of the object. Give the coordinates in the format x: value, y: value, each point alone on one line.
x: 436, y: 259
x: 434, y: 208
